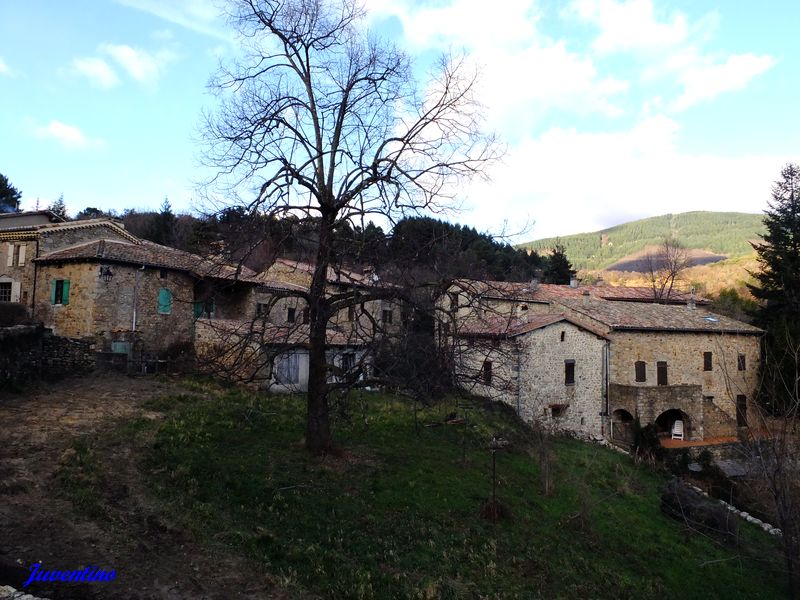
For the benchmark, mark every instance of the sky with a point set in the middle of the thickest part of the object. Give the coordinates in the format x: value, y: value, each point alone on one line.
x: 609, y: 110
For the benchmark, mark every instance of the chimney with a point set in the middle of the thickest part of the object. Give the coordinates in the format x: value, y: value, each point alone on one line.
x: 573, y: 282
x: 691, y: 303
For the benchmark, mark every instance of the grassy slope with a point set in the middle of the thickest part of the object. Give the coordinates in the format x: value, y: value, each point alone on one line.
x: 718, y: 232
x: 397, y: 517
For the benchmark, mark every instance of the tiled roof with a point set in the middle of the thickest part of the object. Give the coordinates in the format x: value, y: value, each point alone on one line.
x: 147, y: 253
x: 497, y: 326
x: 335, y: 274
x: 547, y: 292
x: 644, y: 316
x: 67, y: 225
x: 285, y: 333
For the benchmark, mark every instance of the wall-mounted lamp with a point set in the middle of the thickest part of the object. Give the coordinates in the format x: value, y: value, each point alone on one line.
x: 106, y: 274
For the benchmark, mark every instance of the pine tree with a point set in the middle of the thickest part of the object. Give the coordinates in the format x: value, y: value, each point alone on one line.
x: 9, y: 196
x: 59, y: 208
x: 558, y: 269
x: 778, y: 283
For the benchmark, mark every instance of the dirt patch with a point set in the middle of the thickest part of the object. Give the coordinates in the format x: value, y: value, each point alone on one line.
x: 65, y: 436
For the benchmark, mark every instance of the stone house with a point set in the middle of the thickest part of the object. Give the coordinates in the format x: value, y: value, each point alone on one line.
x: 26, y: 236
x: 133, y: 295
x: 670, y: 362
x: 549, y: 367
x: 663, y: 362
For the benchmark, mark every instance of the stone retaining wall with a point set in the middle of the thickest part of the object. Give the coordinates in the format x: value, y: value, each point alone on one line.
x: 28, y: 352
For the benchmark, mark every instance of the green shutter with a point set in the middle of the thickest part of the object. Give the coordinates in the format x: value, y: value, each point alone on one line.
x: 164, y: 301
x: 53, y: 292
x: 65, y: 293
x: 198, y: 310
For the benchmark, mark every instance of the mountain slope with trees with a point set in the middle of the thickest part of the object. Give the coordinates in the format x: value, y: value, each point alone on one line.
x: 726, y: 233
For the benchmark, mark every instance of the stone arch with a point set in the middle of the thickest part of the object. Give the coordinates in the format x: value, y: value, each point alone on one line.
x: 622, y: 427
x: 666, y: 419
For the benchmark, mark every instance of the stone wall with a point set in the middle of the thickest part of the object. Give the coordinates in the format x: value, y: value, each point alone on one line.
x: 528, y: 373
x: 683, y: 353
x: 545, y: 396
x: 27, y: 352
x: 648, y: 403
x: 104, y: 309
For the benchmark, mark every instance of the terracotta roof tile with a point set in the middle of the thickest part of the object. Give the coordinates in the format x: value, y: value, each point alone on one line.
x: 640, y: 316
x: 147, y: 253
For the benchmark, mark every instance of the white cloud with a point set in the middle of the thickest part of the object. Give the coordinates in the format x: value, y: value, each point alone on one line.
x: 143, y: 66
x: 630, y: 25
x: 706, y: 80
x: 97, y: 71
x: 4, y: 70
x: 201, y: 16
x: 524, y: 74
x: 567, y: 181
x: 68, y: 136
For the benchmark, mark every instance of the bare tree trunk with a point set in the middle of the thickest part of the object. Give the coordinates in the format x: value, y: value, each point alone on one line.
x: 318, y: 429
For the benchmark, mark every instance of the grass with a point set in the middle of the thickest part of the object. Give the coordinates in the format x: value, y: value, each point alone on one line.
x: 397, y: 515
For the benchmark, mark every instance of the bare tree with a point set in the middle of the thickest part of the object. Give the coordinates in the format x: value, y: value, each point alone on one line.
x: 324, y: 121
x: 664, y: 267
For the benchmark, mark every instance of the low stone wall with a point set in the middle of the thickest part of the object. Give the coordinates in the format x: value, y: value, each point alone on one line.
x: 29, y: 352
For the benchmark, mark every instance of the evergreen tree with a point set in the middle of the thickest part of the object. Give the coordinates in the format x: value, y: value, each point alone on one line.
x: 778, y: 285
x: 59, y: 208
x: 9, y: 196
x: 557, y: 268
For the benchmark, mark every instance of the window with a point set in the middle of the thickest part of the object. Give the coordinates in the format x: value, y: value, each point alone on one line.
x: 387, y: 316
x: 641, y: 370
x: 523, y: 307
x: 15, y: 254
x: 59, y: 291
x: 204, y: 308
x: 453, y: 300
x: 351, y: 313
x: 306, y: 315
x: 288, y: 369
x: 262, y: 309
x: 661, y: 372
x: 741, y: 411
x: 5, y: 292
x: 164, y: 301
x: 486, y: 372
x: 290, y: 315
x: 348, y: 361
x: 557, y: 410
x: 569, y: 372
x: 162, y: 273
x: 563, y: 333
x: 707, y: 361
x: 741, y: 363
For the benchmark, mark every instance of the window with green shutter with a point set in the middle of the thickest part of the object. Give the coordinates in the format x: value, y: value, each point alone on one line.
x: 164, y: 301
x: 59, y: 291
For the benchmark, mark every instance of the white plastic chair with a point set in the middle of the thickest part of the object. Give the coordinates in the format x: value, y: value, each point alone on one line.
x: 677, y: 430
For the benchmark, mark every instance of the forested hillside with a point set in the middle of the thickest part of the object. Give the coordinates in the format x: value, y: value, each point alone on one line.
x: 727, y: 233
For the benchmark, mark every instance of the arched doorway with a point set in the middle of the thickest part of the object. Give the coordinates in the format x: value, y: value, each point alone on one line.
x: 667, y: 419
x: 622, y: 427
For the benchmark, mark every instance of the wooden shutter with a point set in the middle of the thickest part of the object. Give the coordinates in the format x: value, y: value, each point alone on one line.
x: 21, y: 255
x: 10, y: 257
x: 707, y: 361
x: 53, y: 292
x: 65, y: 293
x: 641, y: 370
x: 661, y: 372
x: 164, y: 301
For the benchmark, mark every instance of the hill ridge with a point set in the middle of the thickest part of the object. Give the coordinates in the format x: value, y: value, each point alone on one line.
x: 718, y: 232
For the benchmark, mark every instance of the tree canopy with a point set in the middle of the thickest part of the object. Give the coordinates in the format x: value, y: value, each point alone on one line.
x: 9, y: 196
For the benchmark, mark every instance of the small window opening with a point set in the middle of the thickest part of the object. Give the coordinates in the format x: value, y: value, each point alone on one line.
x: 563, y: 333
x: 290, y: 315
x: 707, y: 361
x: 641, y: 370
x: 486, y: 372
x: 569, y: 372
x: 661, y: 373
x: 741, y: 362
